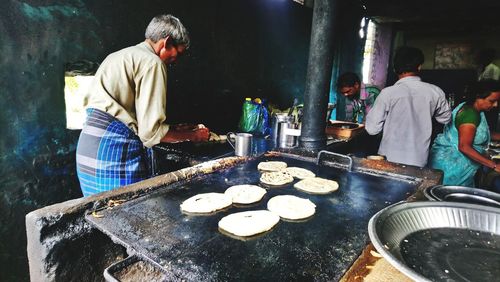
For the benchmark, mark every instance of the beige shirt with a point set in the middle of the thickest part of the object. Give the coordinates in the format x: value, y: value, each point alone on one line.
x: 131, y: 85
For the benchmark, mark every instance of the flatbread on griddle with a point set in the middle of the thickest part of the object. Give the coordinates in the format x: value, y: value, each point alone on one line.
x: 299, y: 172
x: 276, y: 178
x: 245, y: 194
x: 291, y: 207
x: 206, y: 203
x: 271, y: 166
x: 317, y: 185
x: 248, y: 223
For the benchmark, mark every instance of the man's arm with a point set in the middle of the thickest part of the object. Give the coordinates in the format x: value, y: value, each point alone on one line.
x: 376, y: 116
x: 443, y: 111
x: 150, y: 105
x: 372, y: 93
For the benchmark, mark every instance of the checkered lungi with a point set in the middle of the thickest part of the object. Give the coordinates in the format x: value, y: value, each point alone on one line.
x: 109, y: 154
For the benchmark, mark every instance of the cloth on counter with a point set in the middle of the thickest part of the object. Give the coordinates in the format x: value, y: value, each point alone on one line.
x: 404, y: 112
x: 356, y: 109
x: 458, y: 169
x: 130, y: 85
x: 109, y: 154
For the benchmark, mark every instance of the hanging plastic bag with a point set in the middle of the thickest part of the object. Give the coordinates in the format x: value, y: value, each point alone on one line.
x: 264, y: 127
x: 254, y: 117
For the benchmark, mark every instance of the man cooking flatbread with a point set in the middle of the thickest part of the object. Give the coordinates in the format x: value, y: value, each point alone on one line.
x: 126, y: 110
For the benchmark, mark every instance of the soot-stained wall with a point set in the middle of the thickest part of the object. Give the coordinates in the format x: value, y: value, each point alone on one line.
x: 240, y: 48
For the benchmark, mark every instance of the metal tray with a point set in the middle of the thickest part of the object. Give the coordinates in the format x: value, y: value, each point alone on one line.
x: 463, y: 195
x: 439, y: 241
x: 134, y: 268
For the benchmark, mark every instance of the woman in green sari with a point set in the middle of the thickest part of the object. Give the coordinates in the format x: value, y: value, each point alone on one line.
x: 460, y: 150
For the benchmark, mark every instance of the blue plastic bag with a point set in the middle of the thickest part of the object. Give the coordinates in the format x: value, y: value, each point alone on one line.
x: 254, y: 118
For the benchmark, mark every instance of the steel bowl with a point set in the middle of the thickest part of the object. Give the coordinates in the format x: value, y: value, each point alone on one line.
x: 439, y: 241
x: 463, y: 195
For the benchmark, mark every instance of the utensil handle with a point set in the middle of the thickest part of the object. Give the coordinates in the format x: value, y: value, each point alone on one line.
x: 349, y: 159
x: 229, y: 139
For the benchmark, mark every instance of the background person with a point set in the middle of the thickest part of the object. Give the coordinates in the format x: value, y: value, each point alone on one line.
x: 486, y: 68
x: 126, y: 110
x: 459, y: 150
x: 405, y: 110
x: 359, y: 97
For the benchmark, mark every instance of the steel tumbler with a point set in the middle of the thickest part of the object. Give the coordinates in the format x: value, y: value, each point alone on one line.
x: 242, y: 143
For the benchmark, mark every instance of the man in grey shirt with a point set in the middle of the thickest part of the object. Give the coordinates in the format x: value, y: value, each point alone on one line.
x: 405, y: 110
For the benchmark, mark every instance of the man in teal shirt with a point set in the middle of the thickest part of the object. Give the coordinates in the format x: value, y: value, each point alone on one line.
x: 359, y: 97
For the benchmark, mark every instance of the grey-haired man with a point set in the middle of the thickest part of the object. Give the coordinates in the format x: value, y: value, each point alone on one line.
x: 126, y: 112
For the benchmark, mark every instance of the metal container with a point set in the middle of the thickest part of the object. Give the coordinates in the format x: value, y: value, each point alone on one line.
x: 341, y: 129
x: 275, y: 124
x: 288, y: 135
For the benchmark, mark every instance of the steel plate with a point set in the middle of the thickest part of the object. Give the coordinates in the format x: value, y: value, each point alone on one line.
x: 462, y: 194
x: 439, y: 241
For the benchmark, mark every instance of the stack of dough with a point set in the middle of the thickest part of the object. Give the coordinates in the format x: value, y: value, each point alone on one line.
x: 316, y: 185
x: 245, y: 194
x: 206, y: 203
x: 248, y: 223
x: 291, y: 207
x: 271, y: 166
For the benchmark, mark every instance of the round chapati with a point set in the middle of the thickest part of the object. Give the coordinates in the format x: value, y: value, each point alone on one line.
x: 248, y: 223
x: 317, y: 185
x: 299, y: 172
x: 206, y: 203
x: 291, y: 207
x: 245, y: 194
x: 271, y: 166
x: 276, y: 178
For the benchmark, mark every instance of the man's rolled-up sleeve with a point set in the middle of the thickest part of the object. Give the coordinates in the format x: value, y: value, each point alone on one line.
x: 377, y: 115
x: 443, y: 111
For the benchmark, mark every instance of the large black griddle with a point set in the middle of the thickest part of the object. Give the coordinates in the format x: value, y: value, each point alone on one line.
x: 191, y: 247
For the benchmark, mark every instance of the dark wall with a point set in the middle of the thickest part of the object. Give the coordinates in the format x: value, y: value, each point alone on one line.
x: 240, y: 48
